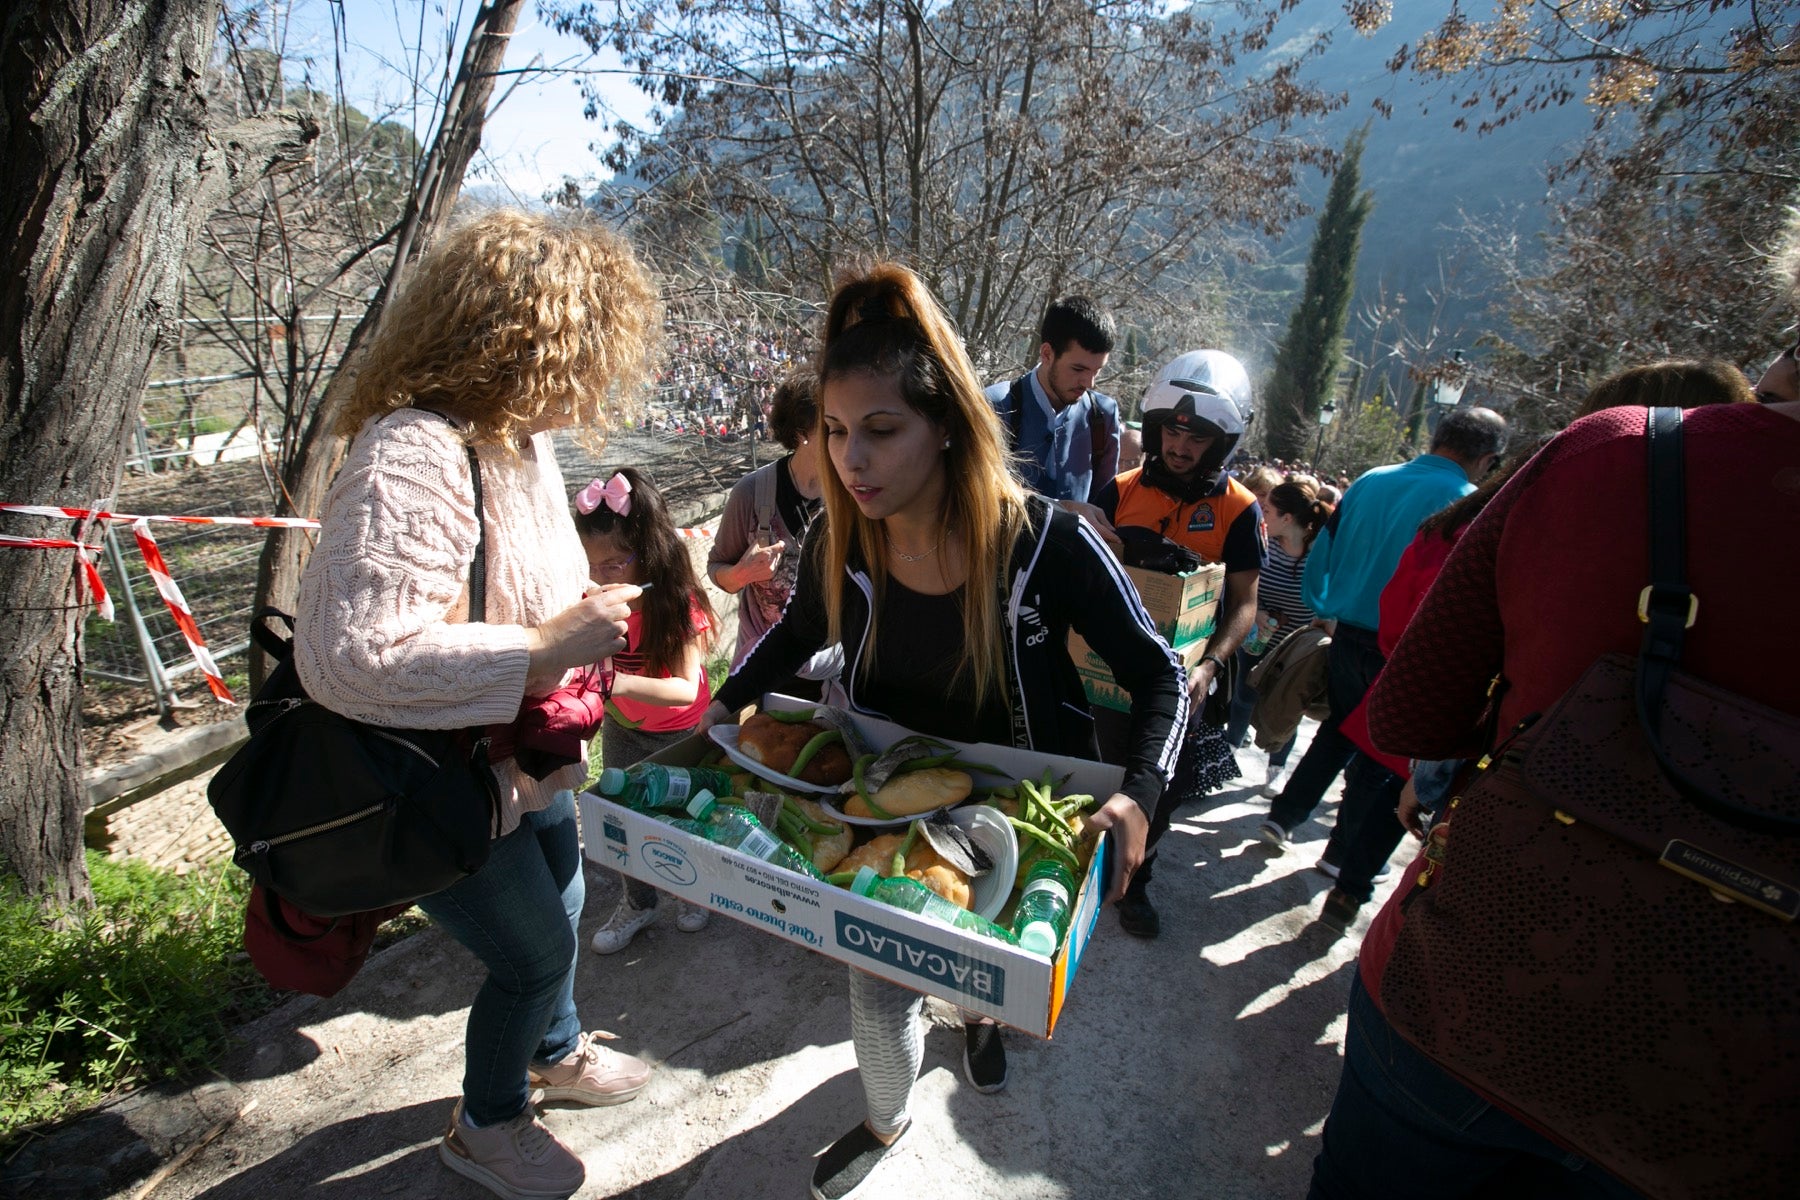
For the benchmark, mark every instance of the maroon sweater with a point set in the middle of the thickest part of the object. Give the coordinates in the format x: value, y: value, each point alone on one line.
x: 1547, y: 578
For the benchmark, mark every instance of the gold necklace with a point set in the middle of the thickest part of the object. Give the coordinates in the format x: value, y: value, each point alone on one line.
x: 904, y: 556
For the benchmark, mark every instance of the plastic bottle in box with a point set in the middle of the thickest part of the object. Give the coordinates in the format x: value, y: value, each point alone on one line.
x: 1042, y: 914
x: 653, y: 787
x: 730, y: 825
x: 912, y: 896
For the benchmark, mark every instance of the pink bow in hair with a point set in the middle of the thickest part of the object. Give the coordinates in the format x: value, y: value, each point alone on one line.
x: 615, y: 493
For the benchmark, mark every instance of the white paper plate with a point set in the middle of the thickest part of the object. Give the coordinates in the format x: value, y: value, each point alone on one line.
x: 727, y: 738
x: 988, y: 829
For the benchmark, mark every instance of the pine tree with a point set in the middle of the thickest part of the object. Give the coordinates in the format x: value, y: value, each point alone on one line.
x: 1308, y: 358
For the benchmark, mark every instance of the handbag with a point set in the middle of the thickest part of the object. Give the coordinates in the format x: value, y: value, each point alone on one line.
x: 339, y: 816
x: 1600, y: 936
x: 296, y: 951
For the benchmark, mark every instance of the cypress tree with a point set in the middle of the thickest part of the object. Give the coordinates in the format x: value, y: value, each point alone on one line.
x: 1311, y: 352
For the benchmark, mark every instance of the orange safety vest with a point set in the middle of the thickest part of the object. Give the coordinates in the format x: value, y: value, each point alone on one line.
x: 1200, y: 526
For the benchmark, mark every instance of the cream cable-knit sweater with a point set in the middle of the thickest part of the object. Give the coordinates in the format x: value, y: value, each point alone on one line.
x: 382, y: 633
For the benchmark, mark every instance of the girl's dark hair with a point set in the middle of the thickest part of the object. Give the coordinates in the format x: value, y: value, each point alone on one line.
x: 1301, y: 502
x: 794, y: 412
x: 649, y: 532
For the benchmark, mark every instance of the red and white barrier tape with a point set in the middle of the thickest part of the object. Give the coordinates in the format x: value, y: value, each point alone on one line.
x: 103, y: 605
x: 178, y: 608
x: 94, y: 514
x: 694, y: 533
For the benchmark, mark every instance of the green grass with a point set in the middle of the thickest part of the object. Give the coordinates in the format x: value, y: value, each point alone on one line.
x: 144, y: 986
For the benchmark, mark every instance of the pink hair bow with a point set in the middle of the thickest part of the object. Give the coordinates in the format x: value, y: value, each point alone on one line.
x: 615, y: 493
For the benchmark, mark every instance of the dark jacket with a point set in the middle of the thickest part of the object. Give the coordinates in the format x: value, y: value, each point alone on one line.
x: 1060, y: 577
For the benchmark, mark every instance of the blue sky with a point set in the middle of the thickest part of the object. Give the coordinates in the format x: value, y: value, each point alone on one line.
x: 535, y: 137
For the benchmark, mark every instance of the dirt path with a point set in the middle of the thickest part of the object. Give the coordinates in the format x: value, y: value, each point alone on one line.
x: 1201, y: 1064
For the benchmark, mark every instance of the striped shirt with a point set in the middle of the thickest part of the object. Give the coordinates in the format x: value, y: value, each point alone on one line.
x: 1278, y: 593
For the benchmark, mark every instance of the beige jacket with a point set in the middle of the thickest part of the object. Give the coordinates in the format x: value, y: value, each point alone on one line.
x: 1290, y: 684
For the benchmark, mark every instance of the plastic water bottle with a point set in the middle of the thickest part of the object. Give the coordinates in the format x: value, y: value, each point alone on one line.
x: 650, y: 787
x: 912, y: 896
x: 1258, y: 641
x: 729, y: 825
x: 1042, y: 914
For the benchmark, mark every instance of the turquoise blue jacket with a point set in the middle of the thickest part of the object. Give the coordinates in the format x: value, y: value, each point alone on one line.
x: 1355, y: 554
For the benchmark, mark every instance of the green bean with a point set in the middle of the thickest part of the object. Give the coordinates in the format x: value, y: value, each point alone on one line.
x: 791, y: 717
x: 906, y: 845
x: 799, y: 814
x: 816, y: 743
x: 975, y: 768
x: 862, y: 764
x: 841, y: 878
x: 1044, y: 839
x: 925, y: 764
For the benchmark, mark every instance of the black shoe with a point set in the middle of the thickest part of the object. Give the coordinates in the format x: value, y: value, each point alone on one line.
x: 1137, y: 916
x: 984, y: 1057
x: 1340, y: 910
x: 847, y: 1164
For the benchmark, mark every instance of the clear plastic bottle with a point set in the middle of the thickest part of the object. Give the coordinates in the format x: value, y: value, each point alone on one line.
x: 652, y: 787
x: 1261, y: 632
x: 1042, y: 914
x: 914, y: 897
x: 729, y: 825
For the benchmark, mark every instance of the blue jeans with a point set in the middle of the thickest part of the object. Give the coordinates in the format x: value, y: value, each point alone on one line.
x: 518, y: 916
x: 1351, y: 664
x: 1402, y: 1129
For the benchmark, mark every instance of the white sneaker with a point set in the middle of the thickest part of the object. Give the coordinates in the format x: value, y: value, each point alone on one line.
x: 1273, y: 779
x: 691, y: 918
x: 1272, y: 832
x: 621, y: 927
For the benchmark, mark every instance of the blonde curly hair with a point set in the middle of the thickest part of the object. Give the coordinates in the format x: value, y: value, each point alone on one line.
x: 512, y: 316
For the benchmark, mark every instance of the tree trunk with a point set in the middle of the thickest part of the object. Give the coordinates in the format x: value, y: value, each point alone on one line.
x: 110, y: 168
x: 321, y: 450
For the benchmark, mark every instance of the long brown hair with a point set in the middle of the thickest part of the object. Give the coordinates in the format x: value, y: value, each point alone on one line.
x: 648, y: 531
x: 1301, y: 502
x: 883, y: 322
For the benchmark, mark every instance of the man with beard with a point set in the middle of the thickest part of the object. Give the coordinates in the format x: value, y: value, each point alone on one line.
x: 1195, y: 413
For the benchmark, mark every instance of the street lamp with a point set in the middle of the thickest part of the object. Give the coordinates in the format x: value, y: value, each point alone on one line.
x: 1448, y: 383
x: 1327, y: 411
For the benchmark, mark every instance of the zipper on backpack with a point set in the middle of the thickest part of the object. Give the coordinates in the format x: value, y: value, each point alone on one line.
x: 264, y: 845
x: 400, y: 741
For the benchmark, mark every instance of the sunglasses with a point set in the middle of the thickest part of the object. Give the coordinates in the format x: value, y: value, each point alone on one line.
x: 1791, y: 359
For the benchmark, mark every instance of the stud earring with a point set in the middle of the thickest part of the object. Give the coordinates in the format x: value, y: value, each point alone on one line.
x: 946, y: 443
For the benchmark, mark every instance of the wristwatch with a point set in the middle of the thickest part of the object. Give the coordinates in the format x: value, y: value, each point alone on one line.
x: 1214, y: 659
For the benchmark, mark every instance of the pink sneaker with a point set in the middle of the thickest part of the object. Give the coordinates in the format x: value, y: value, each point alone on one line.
x: 518, y: 1159
x: 594, y: 1074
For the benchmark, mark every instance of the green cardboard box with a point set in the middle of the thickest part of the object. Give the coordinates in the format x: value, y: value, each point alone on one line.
x: 1183, y: 606
x: 1097, y: 678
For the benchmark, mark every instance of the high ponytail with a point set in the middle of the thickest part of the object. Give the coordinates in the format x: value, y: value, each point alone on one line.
x: 884, y: 322
x: 1300, y: 500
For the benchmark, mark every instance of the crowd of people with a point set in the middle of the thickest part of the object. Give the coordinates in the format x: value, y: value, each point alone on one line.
x: 906, y: 559
x: 720, y: 380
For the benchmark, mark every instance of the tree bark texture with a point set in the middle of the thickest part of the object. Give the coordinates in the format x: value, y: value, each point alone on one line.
x: 110, y: 165
x: 434, y: 195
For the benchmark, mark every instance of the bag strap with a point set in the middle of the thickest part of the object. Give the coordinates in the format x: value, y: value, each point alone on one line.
x: 1668, y: 609
x: 478, y: 563
x: 765, y: 504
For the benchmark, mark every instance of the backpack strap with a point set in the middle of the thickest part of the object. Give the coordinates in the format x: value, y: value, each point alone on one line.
x: 1015, y: 400
x: 765, y: 479
x: 478, y: 560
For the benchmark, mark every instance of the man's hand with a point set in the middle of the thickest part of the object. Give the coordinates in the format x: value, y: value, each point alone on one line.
x: 1408, y: 811
x: 1093, y: 516
x: 757, y: 565
x: 715, y: 714
x: 1200, y: 680
x: 1130, y: 829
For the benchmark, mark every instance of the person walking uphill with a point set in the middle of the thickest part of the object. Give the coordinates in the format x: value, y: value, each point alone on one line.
x: 1195, y: 413
x: 479, y: 351
x: 1065, y: 435
x: 1350, y: 562
x: 953, y: 593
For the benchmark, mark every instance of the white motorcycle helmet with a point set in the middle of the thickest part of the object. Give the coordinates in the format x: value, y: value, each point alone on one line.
x: 1206, y: 393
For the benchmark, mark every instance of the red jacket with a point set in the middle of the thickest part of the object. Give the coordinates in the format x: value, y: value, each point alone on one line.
x: 1419, y: 565
x: 1547, y: 578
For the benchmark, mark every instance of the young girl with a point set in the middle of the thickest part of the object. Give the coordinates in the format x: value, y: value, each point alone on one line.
x: 952, y: 592
x: 659, y: 684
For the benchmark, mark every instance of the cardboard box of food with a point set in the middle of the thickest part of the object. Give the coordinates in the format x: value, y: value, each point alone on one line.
x: 1183, y: 606
x: 982, y: 975
x: 1097, y: 678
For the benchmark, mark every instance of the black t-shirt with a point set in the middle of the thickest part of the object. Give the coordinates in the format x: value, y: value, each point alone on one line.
x: 797, y: 512
x: 918, y: 646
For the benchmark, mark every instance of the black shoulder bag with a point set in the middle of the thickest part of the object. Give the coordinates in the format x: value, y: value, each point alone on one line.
x: 338, y: 816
